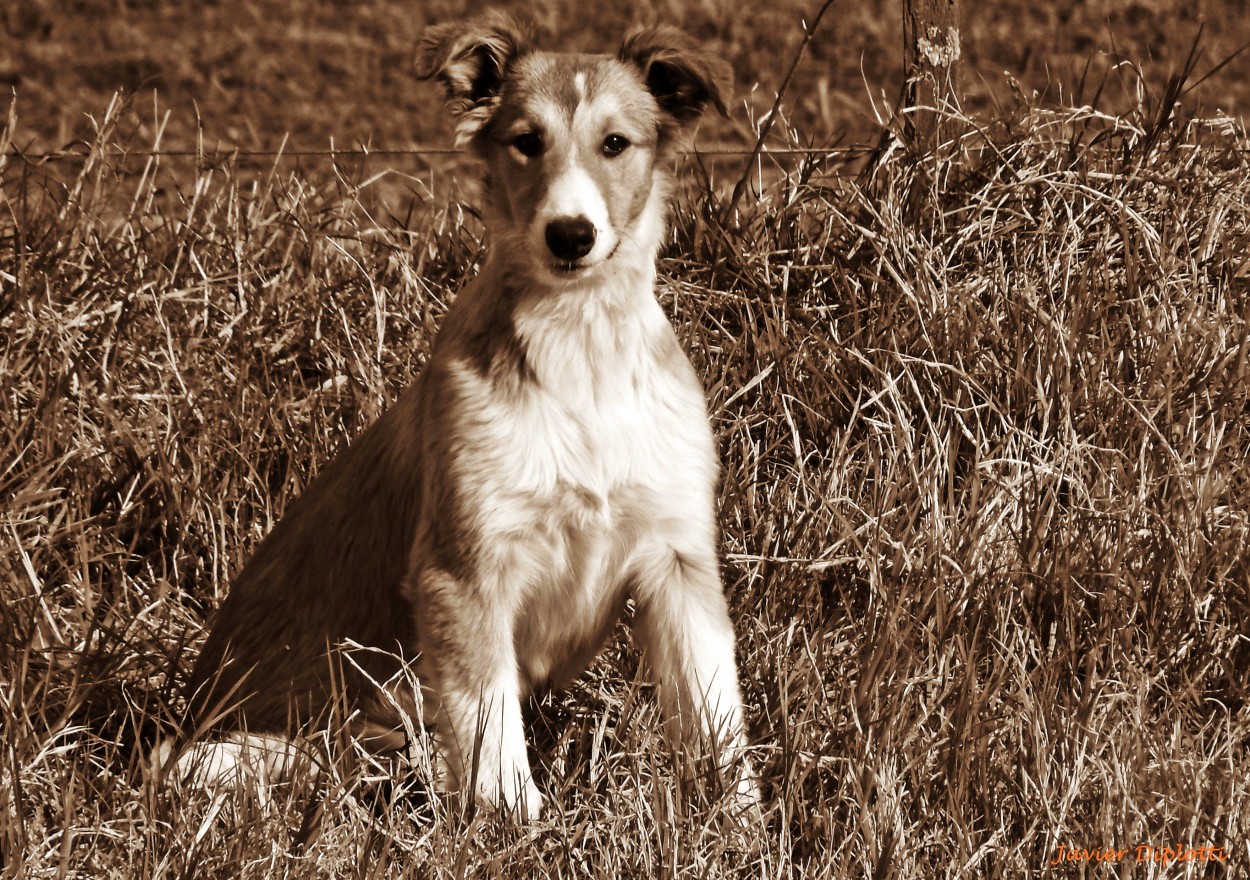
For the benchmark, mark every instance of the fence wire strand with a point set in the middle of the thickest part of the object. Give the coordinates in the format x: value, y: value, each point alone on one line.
x: 223, y: 154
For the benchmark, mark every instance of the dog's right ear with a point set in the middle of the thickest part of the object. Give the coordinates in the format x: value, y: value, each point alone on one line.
x: 471, y: 58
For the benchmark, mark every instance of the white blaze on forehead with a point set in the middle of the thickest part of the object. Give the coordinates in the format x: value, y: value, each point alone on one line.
x: 571, y: 191
x: 579, y: 185
x: 592, y: 117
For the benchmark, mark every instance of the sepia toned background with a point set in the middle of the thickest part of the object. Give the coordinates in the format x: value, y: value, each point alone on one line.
x: 984, y: 419
x: 249, y: 72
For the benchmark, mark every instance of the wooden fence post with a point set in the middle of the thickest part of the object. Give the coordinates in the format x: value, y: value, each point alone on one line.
x: 931, y: 62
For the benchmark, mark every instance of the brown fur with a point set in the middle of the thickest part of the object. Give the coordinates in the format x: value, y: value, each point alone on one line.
x: 553, y: 459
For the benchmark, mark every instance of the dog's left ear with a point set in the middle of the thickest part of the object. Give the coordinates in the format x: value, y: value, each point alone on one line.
x: 683, y: 79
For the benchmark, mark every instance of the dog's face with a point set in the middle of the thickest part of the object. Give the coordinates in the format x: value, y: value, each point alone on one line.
x: 570, y: 152
x: 570, y: 142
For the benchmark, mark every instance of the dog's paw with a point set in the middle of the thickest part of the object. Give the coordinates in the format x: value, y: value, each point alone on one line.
x: 239, y: 761
x: 519, y: 799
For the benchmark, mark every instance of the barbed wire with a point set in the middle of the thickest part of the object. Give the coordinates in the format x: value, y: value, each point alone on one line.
x: 226, y: 153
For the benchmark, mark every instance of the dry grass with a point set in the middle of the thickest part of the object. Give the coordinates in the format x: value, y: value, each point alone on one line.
x: 985, y: 421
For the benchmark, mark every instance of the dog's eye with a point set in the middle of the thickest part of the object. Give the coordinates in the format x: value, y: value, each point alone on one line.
x: 614, y: 145
x: 529, y: 144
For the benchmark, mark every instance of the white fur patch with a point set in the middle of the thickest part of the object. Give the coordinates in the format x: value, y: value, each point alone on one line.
x: 255, y: 762
x: 574, y: 193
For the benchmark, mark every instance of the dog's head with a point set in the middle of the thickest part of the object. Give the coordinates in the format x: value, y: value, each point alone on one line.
x: 572, y: 143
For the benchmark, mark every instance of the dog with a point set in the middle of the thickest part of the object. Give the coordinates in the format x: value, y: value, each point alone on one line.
x: 553, y: 460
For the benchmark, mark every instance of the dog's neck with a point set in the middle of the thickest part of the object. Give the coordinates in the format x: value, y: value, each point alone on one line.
x: 583, y: 342
x: 583, y: 338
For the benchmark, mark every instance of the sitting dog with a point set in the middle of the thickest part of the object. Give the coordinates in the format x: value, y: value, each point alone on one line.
x: 553, y: 460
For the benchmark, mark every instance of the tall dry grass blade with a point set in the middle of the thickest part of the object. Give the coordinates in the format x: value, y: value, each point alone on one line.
x: 809, y: 32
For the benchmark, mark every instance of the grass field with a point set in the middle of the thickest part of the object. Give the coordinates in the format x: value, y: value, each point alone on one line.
x: 985, y: 424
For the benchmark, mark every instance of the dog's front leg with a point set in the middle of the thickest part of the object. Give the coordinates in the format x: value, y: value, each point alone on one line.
x: 684, y: 627
x: 469, y: 668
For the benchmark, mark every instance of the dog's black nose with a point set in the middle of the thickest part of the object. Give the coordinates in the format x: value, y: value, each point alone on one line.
x: 570, y: 238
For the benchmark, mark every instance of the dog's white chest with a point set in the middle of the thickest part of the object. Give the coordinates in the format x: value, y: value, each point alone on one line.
x: 579, y: 464
x: 613, y: 407
x: 579, y: 452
